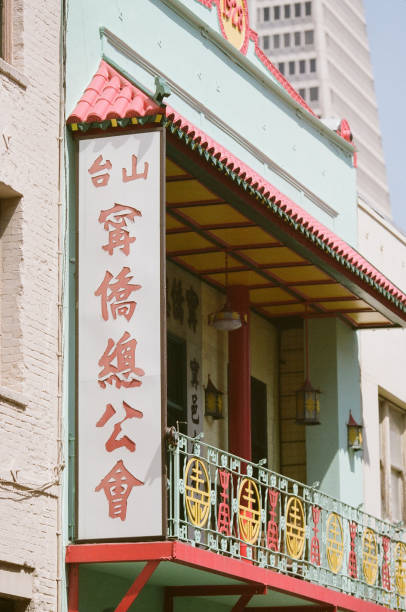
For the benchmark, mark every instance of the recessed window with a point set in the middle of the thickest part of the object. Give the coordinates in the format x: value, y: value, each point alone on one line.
x: 286, y: 10
x: 314, y: 94
x: 298, y: 9
x: 308, y: 9
x: 291, y: 67
x: 309, y: 37
x: 286, y: 39
x: 302, y: 66
x: 6, y: 30
x: 281, y: 67
x: 393, y: 468
x: 298, y: 39
x: 259, y: 420
x: 277, y: 13
x: 266, y: 13
x: 276, y: 41
x: 265, y: 42
x: 176, y: 387
x: 302, y: 93
x: 313, y: 65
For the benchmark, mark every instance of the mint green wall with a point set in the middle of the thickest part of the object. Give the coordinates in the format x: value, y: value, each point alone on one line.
x: 204, y: 65
x: 334, y: 369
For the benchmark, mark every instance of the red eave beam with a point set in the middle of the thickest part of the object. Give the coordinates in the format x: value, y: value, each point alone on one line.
x: 137, y: 586
x: 185, y: 554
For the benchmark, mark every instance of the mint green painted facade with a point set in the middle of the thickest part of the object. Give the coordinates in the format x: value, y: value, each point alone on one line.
x: 239, y: 103
x: 334, y: 369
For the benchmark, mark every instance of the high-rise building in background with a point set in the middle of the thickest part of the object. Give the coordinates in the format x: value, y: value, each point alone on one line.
x: 321, y: 47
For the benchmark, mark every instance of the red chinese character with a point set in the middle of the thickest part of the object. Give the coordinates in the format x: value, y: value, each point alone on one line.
x: 115, y: 222
x: 117, y: 486
x: 100, y: 180
x: 223, y: 520
x: 117, y: 292
x: 134, y: 176
x: 114, y: 441
x: 123, y: 372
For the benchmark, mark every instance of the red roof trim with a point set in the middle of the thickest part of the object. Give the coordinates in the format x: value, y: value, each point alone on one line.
x: 298, y: 214
x: 111, y: 96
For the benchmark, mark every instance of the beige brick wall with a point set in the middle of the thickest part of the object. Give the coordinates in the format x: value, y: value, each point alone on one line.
x: 29, y: 113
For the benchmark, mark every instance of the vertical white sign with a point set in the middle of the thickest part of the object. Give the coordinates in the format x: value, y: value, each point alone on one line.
x: 119, y: 484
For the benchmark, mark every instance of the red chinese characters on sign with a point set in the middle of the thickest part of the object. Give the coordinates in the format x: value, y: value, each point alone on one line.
x: 134, y: 175
x: 117, y: 486
x: 116, y: 294
x: 114, y: 441
x: 118, y: 364
x: 101, y: 180
x: 115, y: 222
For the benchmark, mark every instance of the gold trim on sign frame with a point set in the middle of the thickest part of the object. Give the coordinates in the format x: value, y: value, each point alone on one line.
x: 197, y: 498
x: 334, y: 542
x: 295, y: 527
x: 249, y: 514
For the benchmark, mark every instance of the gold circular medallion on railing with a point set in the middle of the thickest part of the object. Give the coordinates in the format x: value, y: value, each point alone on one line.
x: 369, y: 556
x: 249, y: 511
x: 197, y: 492
x: 400, y: 568
x: 295, y: 527
x: 335, y: 542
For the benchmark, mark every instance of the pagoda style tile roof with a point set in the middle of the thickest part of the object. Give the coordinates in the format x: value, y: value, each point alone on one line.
x: 111, y: 96
x: 112, y: 100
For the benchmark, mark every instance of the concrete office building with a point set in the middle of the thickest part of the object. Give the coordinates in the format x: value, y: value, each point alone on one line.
x: 321, y: 46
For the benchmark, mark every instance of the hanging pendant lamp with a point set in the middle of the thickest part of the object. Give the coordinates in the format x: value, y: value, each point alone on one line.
x: 226, y: 319
x: 307, y: 398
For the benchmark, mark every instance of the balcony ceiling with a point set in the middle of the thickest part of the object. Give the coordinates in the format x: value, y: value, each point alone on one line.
x: 201, y: 227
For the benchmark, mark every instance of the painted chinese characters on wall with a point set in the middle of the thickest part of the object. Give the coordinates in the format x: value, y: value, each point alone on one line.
x: 119, y: 337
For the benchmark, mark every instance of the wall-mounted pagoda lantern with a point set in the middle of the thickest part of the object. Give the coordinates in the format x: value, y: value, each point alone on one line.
x: 226, y: 319
x: 354, y: 431
x: 213, y: 401
x: 307, y: 398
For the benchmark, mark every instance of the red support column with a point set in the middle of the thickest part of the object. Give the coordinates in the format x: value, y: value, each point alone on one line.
x: 73, y: 588
x: 239, y: 382
x: 137, y: 586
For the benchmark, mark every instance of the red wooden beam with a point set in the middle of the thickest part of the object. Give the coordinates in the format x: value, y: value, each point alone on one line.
x: 241, y: 603
x: 206, y: 560
x: 73, y: 588
x: 216, y: 589
x: 293, y: 609
x: 137, y: 586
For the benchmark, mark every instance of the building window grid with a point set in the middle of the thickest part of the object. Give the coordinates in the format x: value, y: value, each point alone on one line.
x: 281, y: 67
x: 276, y: 13
x: 276, y: 41
x: 286, y: 39
x: 302, y: 66
x: 309, y: 37
x: 392, y: 421
x: 265, y: 42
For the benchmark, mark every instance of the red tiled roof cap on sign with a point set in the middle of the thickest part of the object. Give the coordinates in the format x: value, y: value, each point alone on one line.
x: 111, y: 96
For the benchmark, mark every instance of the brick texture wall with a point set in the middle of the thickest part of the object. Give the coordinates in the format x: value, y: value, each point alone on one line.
x: 29, y: 115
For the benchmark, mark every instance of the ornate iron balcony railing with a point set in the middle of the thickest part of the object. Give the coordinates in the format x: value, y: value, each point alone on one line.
x: 243, y: 510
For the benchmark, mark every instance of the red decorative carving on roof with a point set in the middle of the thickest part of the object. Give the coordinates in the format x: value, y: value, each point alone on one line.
x: 111, y: 96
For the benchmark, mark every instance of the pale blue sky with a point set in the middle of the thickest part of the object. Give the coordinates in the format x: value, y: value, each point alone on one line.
x: 386, y: 25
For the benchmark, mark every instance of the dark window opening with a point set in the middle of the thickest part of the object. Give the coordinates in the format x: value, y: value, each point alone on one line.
x: 313, y: 65
x: 259, y: 420
x: 265, y: 42
x: 291, y: 67
x: 266, y: 13
x: 298, y: 9
x: 314, y: 94
x: 286, y: 39
x: 281, y: 67
x: 308, y: 8
x: 277, y: 13
x: 176, y: 385
x: 276, y: 41
x: 287, y: 11
x: 302, y: 66
x: 309, y: 37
